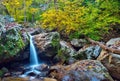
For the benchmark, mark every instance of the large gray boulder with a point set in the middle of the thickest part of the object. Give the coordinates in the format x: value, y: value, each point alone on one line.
x: 85, y: 70
x: 47, y: 44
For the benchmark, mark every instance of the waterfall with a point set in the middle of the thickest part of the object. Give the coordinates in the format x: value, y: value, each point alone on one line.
x: 33, y: 53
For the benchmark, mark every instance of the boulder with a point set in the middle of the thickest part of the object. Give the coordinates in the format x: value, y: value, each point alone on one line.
x: 85, y: 70
x: 65, y: 53
x: 110, y: 60
x: 91, y: 52
x: 78, y: 42
x: 11, y: 40
x: 47, y: 44
x: 67, y: 49
x: 17, y: 73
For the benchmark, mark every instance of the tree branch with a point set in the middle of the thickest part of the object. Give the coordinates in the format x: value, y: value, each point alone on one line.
x: 117, y: 51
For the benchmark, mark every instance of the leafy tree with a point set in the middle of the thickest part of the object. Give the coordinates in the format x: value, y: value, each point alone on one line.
x: 17, y: 8
x: 66, y: 19
x: 76, y: 17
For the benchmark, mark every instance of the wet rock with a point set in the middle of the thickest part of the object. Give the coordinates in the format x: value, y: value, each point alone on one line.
x: 42, y: 67
x: 110, y: 60
x: 36, y: 71
x: 78, y: 42
x: 7, y: 74
x: 16, y: 73
x: 49, y: 79
x: 42, y: 74
x: 15, y: 79
x: 91, y: 52
x: 26, y: 69
x: 48, y: 44
x: 85, y: 70
x: 32, y: 73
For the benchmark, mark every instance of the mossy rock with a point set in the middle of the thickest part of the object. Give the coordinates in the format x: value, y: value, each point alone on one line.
x: 11, y: 43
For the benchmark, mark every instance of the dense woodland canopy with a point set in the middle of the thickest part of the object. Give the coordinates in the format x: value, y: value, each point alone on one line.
x: 73, y: 18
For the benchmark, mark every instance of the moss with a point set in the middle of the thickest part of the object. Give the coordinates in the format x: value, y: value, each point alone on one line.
x: 1, y: 73
x: 11, y: 43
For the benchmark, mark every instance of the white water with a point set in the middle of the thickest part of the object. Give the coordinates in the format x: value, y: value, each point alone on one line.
x: 33, y: 53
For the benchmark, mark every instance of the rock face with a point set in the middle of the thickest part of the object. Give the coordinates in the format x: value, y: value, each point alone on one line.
x: 110, y: 60
x: 11, y: 40
x: 91, y: 52
x: 85, y: 70
x: 11, y: 43
x: 23, y: 55
x: 48, y: 44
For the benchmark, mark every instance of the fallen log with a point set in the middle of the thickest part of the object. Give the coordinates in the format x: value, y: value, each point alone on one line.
x: 116, y: 51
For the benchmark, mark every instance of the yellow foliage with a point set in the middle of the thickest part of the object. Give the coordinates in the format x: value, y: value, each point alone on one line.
x: 33, y: 10
x: 17, y: 8
x: 67, y: 20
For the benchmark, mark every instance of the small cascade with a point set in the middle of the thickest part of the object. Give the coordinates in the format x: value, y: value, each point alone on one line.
x: 32, y: 70
x: 33, y: 53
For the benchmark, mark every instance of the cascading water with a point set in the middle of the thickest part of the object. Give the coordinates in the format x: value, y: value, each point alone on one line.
x: 33, y: 53
x: 33, y: 59
x: 34, y: 64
